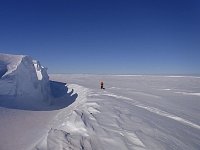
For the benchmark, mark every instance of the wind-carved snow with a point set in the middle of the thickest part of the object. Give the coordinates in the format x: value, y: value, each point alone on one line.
x: 133, y: 112
x: 157, y: 111
x: 165, y: 114
x: 186, y: 93
x: 69, y: 129
x: 24, y: 82
x: 166, y: 89
x: 126, y: 117
x: 83, y: 127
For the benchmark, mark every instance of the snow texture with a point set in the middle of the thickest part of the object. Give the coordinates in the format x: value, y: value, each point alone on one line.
x: 134, y: 112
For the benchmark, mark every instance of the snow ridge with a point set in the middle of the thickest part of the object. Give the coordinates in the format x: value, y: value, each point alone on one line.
x: 69, y: 129
x: 23, y: 80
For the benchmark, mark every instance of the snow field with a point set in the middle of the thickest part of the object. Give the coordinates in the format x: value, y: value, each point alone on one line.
x: 133, y: 112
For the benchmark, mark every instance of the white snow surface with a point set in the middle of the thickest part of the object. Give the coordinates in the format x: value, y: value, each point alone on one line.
x: 23, y: 81
x: 132, y: 113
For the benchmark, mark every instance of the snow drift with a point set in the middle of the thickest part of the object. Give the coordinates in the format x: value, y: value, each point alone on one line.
x: 23, y: 81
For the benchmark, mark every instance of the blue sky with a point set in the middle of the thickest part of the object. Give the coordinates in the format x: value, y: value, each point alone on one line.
x: 104, y: 37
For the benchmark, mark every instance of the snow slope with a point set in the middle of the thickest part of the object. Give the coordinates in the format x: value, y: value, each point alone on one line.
x: 23, y: 82
x: 133, y: 112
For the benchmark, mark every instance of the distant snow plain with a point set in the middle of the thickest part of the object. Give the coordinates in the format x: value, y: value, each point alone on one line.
x: 133, y: 112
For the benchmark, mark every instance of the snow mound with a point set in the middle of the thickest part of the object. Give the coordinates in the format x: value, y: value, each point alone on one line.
x: 23, y: 81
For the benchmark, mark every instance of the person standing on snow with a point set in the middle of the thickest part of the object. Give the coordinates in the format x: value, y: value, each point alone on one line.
x: 102, y: 85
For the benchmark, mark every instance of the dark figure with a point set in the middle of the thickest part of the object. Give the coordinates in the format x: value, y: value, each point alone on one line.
x: 102, y: 85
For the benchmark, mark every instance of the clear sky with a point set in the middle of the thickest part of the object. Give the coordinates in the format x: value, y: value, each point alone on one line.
x: 104, y: 36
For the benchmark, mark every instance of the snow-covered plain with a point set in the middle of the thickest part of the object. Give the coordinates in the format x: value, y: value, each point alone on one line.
x: 133, y: 112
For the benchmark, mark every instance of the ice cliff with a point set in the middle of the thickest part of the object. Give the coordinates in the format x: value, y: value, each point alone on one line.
x: 23, y: 80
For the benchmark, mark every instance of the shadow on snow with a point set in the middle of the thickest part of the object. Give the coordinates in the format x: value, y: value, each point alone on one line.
x: 61, y: 97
